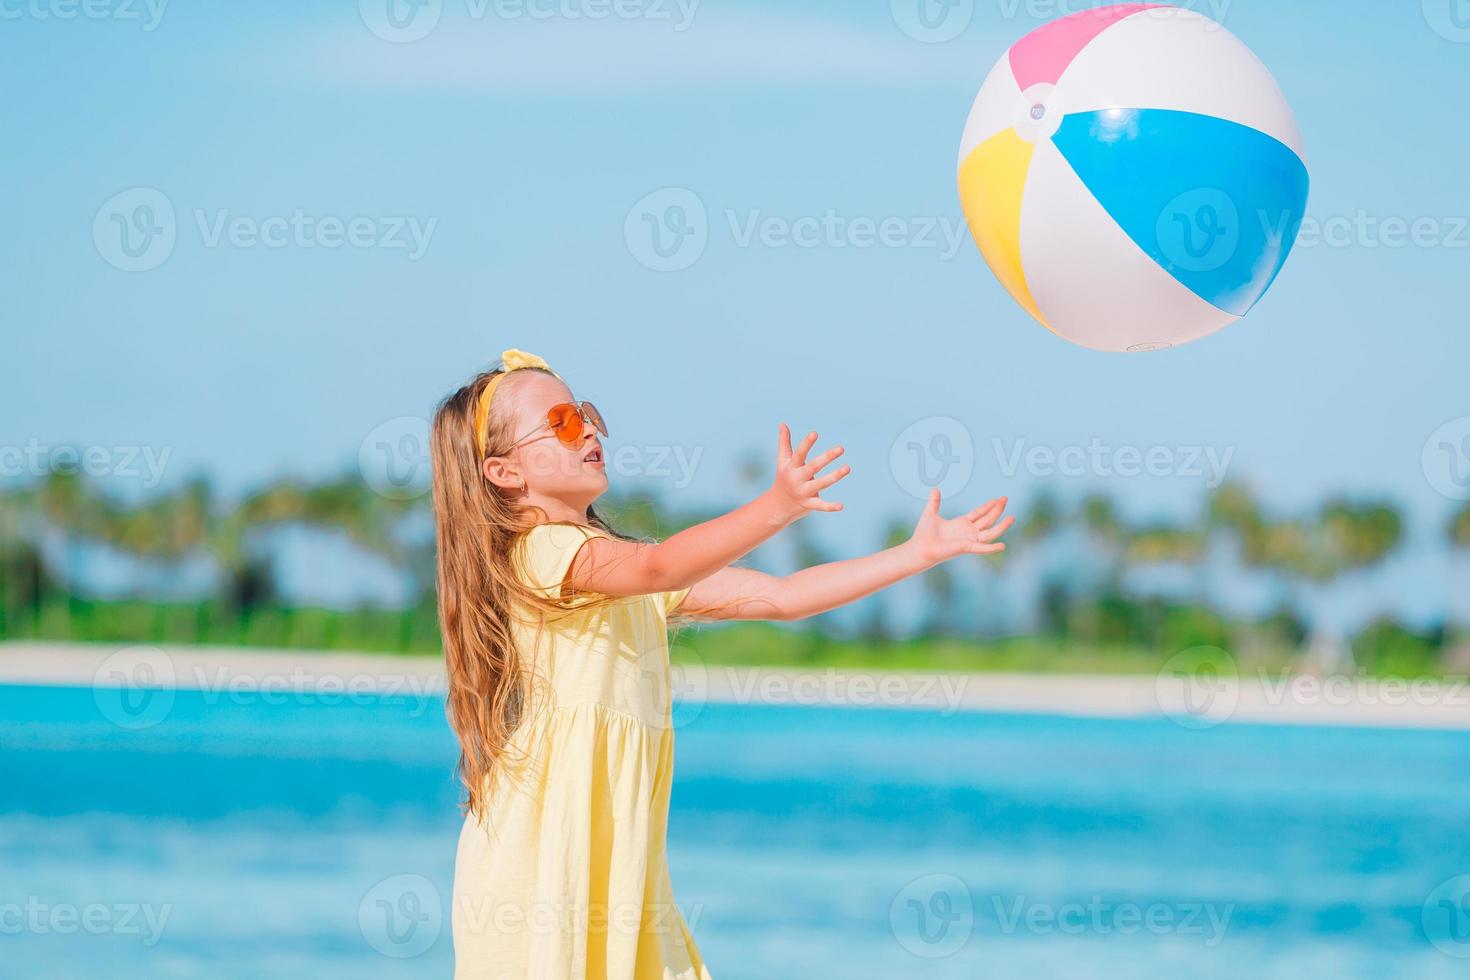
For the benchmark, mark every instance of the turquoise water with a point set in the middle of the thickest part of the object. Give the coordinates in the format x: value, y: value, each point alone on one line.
x: 212, y: 836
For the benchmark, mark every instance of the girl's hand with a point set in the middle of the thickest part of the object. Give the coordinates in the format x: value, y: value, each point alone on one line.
x: 937, y: 539
x: 799, y: 483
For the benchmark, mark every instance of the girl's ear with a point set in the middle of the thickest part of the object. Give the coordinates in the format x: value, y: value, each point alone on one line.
x: 502, y: 473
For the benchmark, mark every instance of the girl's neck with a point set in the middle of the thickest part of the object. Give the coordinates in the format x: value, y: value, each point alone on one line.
x: 557, y: 511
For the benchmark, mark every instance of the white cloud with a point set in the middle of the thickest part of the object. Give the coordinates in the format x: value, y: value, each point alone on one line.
x: 483, y: 46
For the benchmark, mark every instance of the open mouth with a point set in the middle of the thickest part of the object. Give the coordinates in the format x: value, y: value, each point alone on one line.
x: 595, y: 456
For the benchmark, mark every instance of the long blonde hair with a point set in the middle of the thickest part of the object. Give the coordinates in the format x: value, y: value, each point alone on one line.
x: 477, y: 529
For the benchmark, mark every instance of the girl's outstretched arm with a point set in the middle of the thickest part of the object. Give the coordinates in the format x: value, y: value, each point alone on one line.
x: 618, y: 568
x: 742, y: 593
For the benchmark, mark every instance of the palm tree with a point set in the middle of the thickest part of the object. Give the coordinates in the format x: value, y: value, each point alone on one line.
x: 1106, y: 528
x: 1458, y: 529
x: 1273, y: 548
x: 1311, y: 554
x: 25, y: 581
x: 1160, y: 543
x: 1348, y: 538
x: 1457, y: 533
x: 1107, y: 532
x: 64, y: 502
x: 1044, y: 518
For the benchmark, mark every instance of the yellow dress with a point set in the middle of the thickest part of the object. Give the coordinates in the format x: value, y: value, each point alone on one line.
x: 567, y: 877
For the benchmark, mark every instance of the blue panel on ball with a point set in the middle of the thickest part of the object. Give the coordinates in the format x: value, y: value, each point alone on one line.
x: 1216, y: 204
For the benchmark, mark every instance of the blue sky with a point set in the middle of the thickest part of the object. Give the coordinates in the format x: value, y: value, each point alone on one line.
x: 519, y: 145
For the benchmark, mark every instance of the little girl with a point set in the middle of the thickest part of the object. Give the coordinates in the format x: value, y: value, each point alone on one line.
x: 555, y: 638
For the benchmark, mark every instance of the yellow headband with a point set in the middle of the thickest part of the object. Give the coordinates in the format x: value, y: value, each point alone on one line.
x: 511, y: 360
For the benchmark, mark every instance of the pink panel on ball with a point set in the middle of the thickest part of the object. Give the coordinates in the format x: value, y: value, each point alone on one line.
x: 1045, y: 53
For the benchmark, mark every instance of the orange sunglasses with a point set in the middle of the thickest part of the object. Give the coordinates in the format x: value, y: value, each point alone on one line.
x: 568, y: 422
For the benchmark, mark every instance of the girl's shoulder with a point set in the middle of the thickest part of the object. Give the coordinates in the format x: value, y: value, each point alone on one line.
x: 545, y: 554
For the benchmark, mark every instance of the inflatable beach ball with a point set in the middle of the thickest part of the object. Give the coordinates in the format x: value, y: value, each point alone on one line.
x: 1133, y: 176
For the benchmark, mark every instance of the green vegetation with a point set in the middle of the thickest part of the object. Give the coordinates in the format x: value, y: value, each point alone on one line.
x: 1100, y: 622
x: 759, y: 645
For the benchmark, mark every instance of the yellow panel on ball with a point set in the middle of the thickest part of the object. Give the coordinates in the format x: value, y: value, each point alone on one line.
x: 992, y: 179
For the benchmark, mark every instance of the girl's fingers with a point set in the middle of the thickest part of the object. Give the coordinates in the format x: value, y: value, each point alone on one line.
x: 974, y: 515
x: 827, y: 457
x: 823, y: 482
x: 990, y: 514
x: 799, y: 457
x: 988, y: 549
x: 996, y: 531
x: 931, y: 506
x: 783, y: 443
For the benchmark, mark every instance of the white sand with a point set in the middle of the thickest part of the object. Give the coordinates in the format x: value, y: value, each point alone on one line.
x: 1250, y: 698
